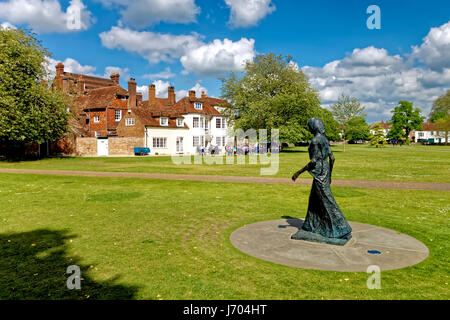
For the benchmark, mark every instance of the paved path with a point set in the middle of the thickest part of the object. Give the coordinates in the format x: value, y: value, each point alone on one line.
x: 241, y: 179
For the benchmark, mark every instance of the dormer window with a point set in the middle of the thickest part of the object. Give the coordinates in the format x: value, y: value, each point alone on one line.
x: 96, y: 119
x: 198, y: 105
x: 164, y: 121
x: 180, y: 122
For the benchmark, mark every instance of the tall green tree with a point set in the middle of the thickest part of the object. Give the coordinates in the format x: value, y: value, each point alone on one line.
x: 346, y: 109
x: 272, y: 93
x: 358, y: 129
x: 440, y: 114
x: 405, y: 119
x: 29, y: 111
x: 378, y: 140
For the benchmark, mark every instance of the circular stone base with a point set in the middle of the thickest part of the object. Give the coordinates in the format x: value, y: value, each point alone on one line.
x: 369, y: 245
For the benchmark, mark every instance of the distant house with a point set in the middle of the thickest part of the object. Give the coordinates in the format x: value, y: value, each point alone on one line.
x: 115, y: 120
x: 429, y: 134
x: 384, y: 125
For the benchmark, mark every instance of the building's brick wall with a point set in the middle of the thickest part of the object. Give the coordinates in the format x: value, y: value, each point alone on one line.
x: 97, y: 126
x: 111, y: 112
x: 86, y: 147
x: 138, y: 130
x: 124, y: 146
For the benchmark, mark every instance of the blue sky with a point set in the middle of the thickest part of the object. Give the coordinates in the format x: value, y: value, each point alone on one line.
x: 182, y: 43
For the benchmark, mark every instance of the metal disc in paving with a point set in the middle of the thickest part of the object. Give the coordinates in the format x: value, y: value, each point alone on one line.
x: 370, y: 245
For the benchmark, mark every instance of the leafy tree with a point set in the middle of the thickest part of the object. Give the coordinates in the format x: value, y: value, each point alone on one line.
x: 440, y: 114
x: 378, y: 140
x: 29, y: 111
x: 346, y: 109
x: 396, y: 133
x: 273, y: 93
x: 357, y: 128
x: 404, y: 120
x: 331, y: 125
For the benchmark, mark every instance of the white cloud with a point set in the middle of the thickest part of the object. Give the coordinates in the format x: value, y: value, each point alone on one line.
x: 143, y: 13
x: 246, y: 13
x: 73, y: 66
x: 198, y: 88
x: 161, y: 90
x: 46, y: 15
x: 123, y: 72
x: 70, y: 65
x: 378, y: 80
x: 219, y: 57
x: 155, y: 47
x: 7, y: 25
x: 435, y: 49
x: 212, y: 59
x: 144, y: 91
x: 166, y: 74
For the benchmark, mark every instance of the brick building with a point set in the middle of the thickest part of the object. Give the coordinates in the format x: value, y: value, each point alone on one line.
x: 114, y: 121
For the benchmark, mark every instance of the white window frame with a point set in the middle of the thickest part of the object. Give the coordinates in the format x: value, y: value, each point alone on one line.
x: 179, y: 144
x: 180, y: 122
x: 159, y: 142
x: 198, y: 122
x: 195, y: 141
x: 117, y: 115
x: 198, y: 106
x: 164, y: 123
x: 219, y: 141
x: 96, y: 119
x: 129, y: 122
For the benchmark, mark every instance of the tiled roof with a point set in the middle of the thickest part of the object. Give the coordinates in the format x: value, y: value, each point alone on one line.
x: 101, y: 98
x: 105, y: 81
x: 151, y: 118
x: 186, y: 105
x: 216, y: 101
x: 158, y: 105
x: 429, y: 126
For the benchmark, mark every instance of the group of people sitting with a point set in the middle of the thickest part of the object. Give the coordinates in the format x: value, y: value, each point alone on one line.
x: 231, y: 149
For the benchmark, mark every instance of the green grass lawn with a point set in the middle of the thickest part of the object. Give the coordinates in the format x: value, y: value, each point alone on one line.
x: 161, y: 239
x: 360, y: 162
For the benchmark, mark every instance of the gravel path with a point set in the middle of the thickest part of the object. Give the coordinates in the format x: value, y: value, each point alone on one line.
x: 241, y: 179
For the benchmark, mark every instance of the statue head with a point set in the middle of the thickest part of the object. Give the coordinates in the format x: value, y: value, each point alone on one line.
x: 315, y: 126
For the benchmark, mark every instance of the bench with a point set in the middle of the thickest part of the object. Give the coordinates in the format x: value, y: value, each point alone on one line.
x: 141, y: 151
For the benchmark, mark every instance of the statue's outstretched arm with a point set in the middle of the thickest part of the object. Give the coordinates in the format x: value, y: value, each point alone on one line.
x: 311, y: 165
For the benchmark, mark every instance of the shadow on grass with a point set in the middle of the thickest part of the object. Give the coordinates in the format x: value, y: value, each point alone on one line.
x: 34, y: 264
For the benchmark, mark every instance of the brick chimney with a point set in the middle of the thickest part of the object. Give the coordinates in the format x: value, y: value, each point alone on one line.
x: 192, y: 94
x: 139, y: 99
x: 115, y: 77
x: 60, y: 69
x: 204, y: 95
x: 151, y: 94
x: 80, y: 83
x: 131, y: 93
x: 171, y: 95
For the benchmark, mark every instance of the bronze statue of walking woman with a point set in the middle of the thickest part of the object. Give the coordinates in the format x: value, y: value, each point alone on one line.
x: 324, y: 221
